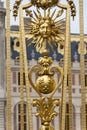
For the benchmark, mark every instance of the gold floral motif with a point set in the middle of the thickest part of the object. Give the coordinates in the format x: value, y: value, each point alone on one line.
x: 45, y: 107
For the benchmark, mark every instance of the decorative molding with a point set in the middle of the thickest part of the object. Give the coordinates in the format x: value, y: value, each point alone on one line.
x: 74, y: 37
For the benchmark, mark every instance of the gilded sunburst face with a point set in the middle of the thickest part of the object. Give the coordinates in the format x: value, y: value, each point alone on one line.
x: 46, y: 27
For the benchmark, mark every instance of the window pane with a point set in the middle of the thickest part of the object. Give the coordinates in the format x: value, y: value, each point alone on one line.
x: 85, y: 80
x: 86, y: 116
x: 73, y: 79
x: 18, y: 78
x: 19, y: 127
x: 19, y: 108
x: 14, y: 77
x: 23, y: 78
x: 24, y: 108
x: 67, y: 117
x: 24, y: 118
x: 19, y: 117
x: 25, y: 126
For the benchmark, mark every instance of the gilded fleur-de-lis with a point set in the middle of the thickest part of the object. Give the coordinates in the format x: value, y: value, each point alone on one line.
x: 45, y: 107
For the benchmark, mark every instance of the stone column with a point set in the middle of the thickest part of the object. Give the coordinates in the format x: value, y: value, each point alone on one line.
x: 2, y: 44
x: 78, y: 118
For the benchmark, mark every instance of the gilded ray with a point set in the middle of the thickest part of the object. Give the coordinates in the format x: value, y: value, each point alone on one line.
x: 39, y: 46
x: 49, y: 42
x: 36, y: 15
x: 59, y: 37
x: 44, y: 13
x: 30, y: 36
x: 60, y: 12
x: 59, y: 21
x: 53, y: 13
x: 39, y: 38
x: 33, y: 18
x: 39, y: 13
x: 48, y: 15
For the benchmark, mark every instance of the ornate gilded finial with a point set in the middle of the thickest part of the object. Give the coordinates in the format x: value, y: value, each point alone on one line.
x: 45, y: 60
x: 44, y: 4
x: 73, y: 8
x: 45, y: 86
x: 15, y: 8
x: 46, y: 111
x: 45, y: 52
x: 45, y: 83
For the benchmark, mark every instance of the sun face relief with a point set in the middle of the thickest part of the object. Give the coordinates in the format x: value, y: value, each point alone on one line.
x: 46, y: 28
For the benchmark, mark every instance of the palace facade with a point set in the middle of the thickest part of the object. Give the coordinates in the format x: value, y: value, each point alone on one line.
x: 32, y: 60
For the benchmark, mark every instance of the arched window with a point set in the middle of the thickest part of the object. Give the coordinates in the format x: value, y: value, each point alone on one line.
x: 67, y: 117
x: 17, y: 117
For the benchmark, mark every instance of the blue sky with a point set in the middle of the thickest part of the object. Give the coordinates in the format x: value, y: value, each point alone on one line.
x: 74, y: 24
